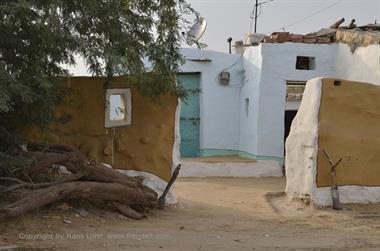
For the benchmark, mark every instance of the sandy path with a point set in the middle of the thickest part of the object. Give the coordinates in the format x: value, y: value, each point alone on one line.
x: 213, y: 214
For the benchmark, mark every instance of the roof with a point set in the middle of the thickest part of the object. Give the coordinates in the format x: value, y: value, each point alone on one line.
x: 282, y: 37
x: 358, y: 35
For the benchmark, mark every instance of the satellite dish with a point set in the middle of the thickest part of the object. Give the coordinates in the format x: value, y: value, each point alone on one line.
x: 196, y: 31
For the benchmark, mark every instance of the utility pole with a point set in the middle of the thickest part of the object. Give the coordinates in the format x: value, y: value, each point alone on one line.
x: 256, y: 9
x: 255, y: 13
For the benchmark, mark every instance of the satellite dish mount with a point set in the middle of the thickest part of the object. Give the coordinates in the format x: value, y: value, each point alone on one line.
x: 196, y: 32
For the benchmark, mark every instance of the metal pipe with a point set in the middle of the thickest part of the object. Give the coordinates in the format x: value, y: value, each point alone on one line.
x: 229, y: 40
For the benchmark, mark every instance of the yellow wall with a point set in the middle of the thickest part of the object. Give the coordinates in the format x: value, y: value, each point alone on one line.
x: 145, y: 145
x: 349, y: 128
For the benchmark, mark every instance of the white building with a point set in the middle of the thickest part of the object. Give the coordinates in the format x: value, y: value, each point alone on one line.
x: 251, y: 115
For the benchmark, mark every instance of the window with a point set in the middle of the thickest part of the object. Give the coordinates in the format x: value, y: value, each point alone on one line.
x: 305, y: 63
x: 118, y: 107
x: 294, y: 93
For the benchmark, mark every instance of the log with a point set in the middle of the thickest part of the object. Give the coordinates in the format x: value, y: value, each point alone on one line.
x: 90, y: 191
x: 337, y: 24
x: 352, y: 24
x: 89, y: 181
x: 76, y: 162
x: 128, y: 211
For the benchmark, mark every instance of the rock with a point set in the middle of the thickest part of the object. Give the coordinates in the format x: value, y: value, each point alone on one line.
x: 66, y: 221
x: 63, y: 170
x: 240, y: 241
x: 81, y: 211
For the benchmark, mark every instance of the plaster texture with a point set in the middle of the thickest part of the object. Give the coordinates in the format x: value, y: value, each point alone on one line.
x: 302, y: 145
x: 348, y: 194
x: 363, y: 65
x: 261, y: 168
x: 348, y: 128
x: 177, y: 138
x: 268, y: 67
x: 219, y: 105
x: 307, y: 136
x: 144, y: 145
x: 225, y: 119
x: 246, y: 117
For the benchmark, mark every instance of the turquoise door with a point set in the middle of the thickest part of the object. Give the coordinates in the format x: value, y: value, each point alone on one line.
x: 189, y: 118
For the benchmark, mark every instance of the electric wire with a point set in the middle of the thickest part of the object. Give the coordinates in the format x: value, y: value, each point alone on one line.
x: 312, y: 15
x: 252, y: 16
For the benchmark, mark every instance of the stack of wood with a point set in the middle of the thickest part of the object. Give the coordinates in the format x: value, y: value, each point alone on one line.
x: 22, y: 189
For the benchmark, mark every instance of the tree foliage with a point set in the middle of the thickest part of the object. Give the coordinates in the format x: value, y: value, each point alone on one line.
x: 114, y: 37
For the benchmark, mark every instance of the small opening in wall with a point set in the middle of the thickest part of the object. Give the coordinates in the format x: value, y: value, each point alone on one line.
x: 247, y: 107
x: 337, y: 83
x: 117, y: 107
x: 305, y: 63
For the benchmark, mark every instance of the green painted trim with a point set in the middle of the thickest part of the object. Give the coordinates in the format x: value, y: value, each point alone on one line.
x: 228, y: 152
x: 218, y: 152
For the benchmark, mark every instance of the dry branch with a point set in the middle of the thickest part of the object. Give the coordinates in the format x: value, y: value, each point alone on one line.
x: 334, y: 185
x: 161, y: 200
x: 65, y: 179
x: 89, y: 180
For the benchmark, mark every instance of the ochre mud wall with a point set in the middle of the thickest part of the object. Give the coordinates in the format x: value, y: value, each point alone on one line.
x: 145, y: 145
x: 349, y: 128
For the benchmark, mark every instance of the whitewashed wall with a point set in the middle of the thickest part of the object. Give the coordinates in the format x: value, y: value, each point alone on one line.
x: 261, y: 77
x: 301, y: 157
x: 219, y: 105
x: 302, y: 144
x: 249, y: 121
x: 268, y: 90
x: 363, y: 65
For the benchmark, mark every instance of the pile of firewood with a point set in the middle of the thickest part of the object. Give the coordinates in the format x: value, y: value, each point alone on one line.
x: 75, y: 178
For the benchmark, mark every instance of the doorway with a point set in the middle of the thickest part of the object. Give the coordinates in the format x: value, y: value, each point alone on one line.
x: 294, y: 94
x: 190, y: 115
x: 289, y: 116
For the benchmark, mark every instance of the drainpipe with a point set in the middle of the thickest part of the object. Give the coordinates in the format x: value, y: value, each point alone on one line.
x: 229, y: 41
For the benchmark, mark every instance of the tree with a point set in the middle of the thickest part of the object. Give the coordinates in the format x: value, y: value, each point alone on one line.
x: 114, y: 37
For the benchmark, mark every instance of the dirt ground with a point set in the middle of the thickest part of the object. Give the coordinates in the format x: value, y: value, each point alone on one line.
x: 212, y: 214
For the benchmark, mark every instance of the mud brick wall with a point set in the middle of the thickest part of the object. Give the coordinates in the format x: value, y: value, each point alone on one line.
x: 145, y: 145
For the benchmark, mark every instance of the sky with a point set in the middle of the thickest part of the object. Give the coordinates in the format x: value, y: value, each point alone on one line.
x: 231, y: 18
